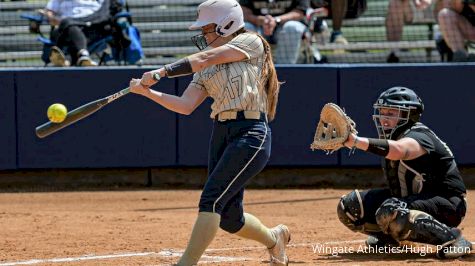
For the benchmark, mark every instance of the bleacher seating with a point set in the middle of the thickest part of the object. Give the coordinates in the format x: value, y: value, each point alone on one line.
x: 367, y: 38
x: 163, y: 25
x: 165, y: 36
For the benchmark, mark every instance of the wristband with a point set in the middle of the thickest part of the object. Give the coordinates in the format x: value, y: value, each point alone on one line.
x: 181, y: 67
x: 378, y: 146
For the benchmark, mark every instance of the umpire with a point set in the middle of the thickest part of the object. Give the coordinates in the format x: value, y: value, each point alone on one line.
x: 425, y: 201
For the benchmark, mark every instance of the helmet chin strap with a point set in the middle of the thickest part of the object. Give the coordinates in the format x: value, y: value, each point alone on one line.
x: 217, y: 36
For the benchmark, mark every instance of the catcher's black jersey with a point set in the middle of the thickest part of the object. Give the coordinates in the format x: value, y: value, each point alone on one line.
x: 433, y: 173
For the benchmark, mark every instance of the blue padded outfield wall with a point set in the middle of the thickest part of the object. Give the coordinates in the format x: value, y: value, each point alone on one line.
x: 7, y: 121
x: 136, y: 132
x: 302, y: 96
x: 131, y: 132
x: 446, y: 90
x: 292, y: 130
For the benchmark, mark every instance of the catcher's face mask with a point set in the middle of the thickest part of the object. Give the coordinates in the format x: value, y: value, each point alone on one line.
x: 388, y: 118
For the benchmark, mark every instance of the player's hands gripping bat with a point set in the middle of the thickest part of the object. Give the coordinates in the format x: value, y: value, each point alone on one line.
x: 333, y: 129
x: 79, y: 113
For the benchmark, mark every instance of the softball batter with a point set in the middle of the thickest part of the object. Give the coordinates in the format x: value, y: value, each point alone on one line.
x: 239, y: 74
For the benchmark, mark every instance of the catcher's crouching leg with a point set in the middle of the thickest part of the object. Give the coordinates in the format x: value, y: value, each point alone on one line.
x: 350, y: 212
x: 395, y: 219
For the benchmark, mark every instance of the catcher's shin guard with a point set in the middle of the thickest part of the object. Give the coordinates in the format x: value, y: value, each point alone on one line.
x: 392, y: 218
x: 350, y: 211
x: 395, y: 219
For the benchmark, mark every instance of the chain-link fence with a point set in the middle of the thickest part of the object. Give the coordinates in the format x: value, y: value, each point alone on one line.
x: 331, y: 31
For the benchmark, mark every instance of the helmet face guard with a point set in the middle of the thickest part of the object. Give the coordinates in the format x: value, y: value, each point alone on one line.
x: 402, y: 101
x: 199, y: 40
x: 386, y: 131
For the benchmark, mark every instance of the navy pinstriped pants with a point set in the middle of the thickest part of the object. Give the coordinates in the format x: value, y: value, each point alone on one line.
x: 239, y: 150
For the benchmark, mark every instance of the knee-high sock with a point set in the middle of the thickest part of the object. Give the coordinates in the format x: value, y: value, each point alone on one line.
x: 204, y: 230
x: 255, y: 230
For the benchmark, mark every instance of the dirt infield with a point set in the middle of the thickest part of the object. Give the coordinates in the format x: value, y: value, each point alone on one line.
x: 152, y: 227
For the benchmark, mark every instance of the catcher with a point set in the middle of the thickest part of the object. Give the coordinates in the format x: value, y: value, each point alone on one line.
x: 425, y: 201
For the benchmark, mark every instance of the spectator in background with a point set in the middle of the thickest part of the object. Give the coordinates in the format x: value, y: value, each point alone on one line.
x: 339, y: 10
x: 457, y: 24
x: 280, y: 22
x: 76, y: 22
x: 399, y: 13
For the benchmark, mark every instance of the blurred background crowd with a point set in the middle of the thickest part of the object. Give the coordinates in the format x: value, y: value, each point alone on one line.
x: 154, y: 32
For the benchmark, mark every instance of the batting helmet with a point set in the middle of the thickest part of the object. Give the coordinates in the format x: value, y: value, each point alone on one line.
x: 226, y: 14
x: 405, y: 101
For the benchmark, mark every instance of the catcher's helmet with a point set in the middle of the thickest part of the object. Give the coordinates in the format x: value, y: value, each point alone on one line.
x: 405, y: 101
x: 226, y: 14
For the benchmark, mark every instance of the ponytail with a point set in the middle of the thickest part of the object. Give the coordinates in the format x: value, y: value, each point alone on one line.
x: 269, y: 80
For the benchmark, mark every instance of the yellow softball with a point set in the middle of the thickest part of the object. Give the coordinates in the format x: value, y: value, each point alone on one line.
x: 57, y: 113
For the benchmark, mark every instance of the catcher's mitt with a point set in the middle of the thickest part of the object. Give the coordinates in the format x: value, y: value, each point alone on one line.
x: 333, y: 129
